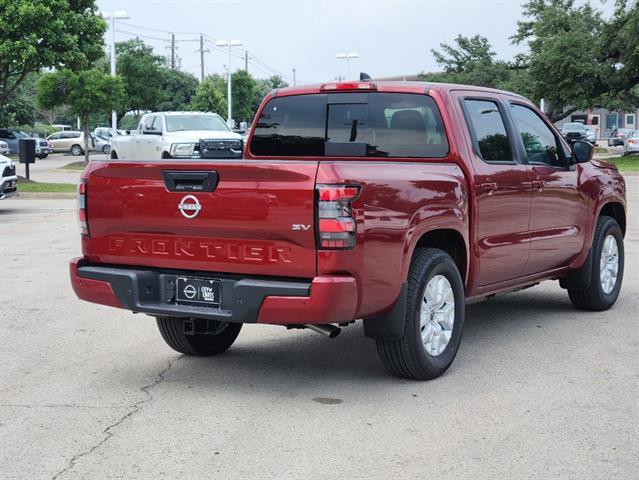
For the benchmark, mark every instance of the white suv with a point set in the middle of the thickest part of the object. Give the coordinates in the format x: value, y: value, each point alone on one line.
x: 8, y: 178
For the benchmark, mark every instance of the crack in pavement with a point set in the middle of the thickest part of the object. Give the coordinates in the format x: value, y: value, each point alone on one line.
x: 108, y: 431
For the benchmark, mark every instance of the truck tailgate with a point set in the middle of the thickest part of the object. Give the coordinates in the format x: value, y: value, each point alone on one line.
x: 259, y: 219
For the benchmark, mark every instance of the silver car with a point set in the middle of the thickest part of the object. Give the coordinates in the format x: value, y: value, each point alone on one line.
x: 631, y: 144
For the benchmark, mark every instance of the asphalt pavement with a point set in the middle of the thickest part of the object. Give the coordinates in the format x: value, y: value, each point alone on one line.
x: 539, y: 390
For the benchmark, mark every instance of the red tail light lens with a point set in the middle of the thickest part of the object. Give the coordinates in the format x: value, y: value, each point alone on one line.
x: 336, y: 229
x: 82, y: 208
x: 348, y: 86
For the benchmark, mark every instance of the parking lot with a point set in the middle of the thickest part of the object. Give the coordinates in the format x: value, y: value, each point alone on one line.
x: 538, y: 390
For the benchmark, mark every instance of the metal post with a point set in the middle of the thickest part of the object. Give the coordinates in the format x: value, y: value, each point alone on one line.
x: 246, y: 61
x: 173, y: 50
x: 201, y: 57
x: 294, y: 79
x: 114, y: 115
x: 228, y: 95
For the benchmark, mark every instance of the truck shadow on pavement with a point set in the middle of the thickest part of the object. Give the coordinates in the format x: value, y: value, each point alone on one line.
x: 302, y: 357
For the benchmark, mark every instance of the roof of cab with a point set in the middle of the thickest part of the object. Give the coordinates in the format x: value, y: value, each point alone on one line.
x: 386, y: 86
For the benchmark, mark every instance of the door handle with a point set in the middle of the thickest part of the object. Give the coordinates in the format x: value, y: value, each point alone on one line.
x: 487, y: 187
x: 539, y: 185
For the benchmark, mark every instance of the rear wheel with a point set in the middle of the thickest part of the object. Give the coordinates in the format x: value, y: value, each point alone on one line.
x: 606, y: 268
x: 76, y: 150
x: 434, y: 319
x: 198, y: 337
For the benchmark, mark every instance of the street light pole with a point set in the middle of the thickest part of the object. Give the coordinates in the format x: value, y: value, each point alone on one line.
x: 347, y: 57
x: 230, y: 44
x: 120, y: 15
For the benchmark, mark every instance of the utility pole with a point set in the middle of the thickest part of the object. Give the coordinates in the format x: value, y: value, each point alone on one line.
x: 173, y: 50
x: 294, y: 78
x: 202, y: 52
x: 230, y: 44
x: 246, y: 61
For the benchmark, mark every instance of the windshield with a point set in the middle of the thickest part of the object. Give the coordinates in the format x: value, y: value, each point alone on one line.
x: 181, y: 123
x: 574, y: 126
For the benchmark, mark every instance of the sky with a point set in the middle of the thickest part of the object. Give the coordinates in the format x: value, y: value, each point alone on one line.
x: 391, y: 37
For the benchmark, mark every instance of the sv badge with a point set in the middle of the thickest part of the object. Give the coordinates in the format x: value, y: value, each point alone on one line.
x: 301, y: 227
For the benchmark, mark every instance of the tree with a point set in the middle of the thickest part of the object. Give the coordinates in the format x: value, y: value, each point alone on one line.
x: 245, y: 92
x: 470, y: 61
x: 86, y: 92
x: 562, y: 63
x: 618, y: 55
x: 46, y: 34
x: 209, y: 96
x: 178, y: 88
x: 142, y: 73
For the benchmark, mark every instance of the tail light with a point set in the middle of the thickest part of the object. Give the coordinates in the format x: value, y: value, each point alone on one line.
x: 336, y: 227
x: 348, y: 86
x: 82, y: 208
x: 632, y: 141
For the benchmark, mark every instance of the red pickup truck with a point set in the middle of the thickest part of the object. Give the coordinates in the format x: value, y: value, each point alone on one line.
x: 394, y: 203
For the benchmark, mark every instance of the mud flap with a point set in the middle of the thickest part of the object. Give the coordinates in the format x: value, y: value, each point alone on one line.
x: 391, y: 325
x: 579, y: 279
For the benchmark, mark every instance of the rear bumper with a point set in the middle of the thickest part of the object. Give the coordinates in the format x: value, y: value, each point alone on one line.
x: 243, y: 300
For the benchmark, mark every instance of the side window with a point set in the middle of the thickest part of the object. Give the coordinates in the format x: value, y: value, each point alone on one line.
x: 488, y: 126
x: 540, y: 143
x: 55, y: 136
x: 148, y: 123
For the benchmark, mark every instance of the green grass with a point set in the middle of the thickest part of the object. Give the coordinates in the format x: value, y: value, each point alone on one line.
x: 601, y: 150
x: 46, y: 187
x: 74, y: 166
x: 626, y: 164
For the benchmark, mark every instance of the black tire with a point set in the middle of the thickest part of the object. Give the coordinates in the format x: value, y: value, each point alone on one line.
x: 76, y: 150
x: 113, y: 155
x: 106, y: 149
x: 594, y: 297
x: 204, y: 345
x: 407, y: 357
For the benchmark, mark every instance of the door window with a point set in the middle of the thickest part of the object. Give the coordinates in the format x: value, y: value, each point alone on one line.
x: 487, y: 124
x: 540, y: 142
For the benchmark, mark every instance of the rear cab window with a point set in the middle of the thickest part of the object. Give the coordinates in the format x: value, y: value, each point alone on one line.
x: 391, y: 125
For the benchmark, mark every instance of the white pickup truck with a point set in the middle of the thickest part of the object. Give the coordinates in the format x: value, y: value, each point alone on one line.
x: 188, y: 135
x: 8, y: 178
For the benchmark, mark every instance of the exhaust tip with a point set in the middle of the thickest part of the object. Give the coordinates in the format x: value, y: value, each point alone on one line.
x: 328, y: 330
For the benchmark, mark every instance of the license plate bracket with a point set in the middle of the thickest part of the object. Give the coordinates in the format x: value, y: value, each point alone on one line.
x: 198, y: 292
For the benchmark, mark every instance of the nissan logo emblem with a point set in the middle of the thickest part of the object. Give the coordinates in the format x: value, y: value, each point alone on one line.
x: 189, y: 206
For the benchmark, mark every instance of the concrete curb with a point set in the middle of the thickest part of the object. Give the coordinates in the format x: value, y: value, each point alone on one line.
x: 46, y: 195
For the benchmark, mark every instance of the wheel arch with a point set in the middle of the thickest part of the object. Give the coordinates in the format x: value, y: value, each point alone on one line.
x: 450, y: 241
x: 617, y: 211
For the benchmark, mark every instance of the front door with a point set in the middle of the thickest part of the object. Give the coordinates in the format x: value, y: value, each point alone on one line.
x: 559, y: 205
x: 503, y: 192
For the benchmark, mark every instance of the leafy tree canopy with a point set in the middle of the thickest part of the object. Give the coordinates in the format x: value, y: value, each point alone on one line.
x: 209, y: 96
x: 46, y: 34
x: 86, y: 92
x: 142, y: 73
x: 178, y: 88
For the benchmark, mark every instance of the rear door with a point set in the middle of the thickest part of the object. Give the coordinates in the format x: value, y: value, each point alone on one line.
x: 503, y: 190
x: 240, y: 217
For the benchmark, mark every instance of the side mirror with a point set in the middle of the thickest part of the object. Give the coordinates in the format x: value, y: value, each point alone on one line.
x: 582, y: 152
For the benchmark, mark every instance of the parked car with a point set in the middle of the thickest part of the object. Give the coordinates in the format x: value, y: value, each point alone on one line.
x: 591, y: 136
x: 4, y: 148
x: 574, y: 131
x: 8, y: 178
x: 70, y: 142
x: 185, y: 135
x: 618, y: 136
x: 395, y: 203
x: 102, y: 144
x: 12, y: 136
x: 106, y: 132
x: 631, y: 145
